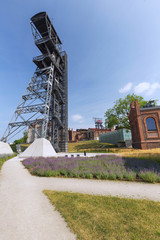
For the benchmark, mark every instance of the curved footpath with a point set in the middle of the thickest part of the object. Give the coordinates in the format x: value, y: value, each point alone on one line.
x: 25, y: 212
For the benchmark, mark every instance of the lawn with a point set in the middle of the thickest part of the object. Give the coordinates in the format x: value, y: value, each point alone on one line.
x: 153, y: 154
x: 108, y: 218
x: 111, y: 167
x: 90, y: 146
x: 96, y: 146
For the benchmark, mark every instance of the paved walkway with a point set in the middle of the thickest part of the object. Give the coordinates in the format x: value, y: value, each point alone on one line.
x: 25, y: 212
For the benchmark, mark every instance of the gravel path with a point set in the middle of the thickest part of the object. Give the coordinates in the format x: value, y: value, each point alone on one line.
x: 25, y: 212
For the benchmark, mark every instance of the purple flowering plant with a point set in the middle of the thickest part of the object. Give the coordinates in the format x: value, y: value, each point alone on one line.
x: 99, y: 167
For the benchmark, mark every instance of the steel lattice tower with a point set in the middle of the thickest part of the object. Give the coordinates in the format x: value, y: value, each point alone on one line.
x: 45, y: 100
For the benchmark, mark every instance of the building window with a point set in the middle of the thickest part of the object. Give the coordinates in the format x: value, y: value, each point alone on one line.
x: 151, y: 124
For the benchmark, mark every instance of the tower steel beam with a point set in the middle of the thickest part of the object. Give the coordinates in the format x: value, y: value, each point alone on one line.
x: 45, y: 100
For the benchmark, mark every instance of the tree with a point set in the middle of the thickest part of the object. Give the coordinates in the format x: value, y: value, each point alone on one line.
x: 23, y: 139
x: 118, y: 115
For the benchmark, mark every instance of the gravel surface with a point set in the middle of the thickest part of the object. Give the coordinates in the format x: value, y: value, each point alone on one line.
x: 25, y: 212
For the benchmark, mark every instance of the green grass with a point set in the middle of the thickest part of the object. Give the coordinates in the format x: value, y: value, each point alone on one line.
x: 5, y: 158
x: 108, y: 218
x: 150, y: 154
x: 96, y: 146
x: 89, y: 146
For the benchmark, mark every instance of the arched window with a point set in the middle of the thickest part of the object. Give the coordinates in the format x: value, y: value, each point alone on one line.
x: 151, y: 124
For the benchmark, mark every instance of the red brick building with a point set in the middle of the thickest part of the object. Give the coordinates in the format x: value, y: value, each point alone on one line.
x: 145, y: 125
x: 78, y: 135
x: 85, y: 134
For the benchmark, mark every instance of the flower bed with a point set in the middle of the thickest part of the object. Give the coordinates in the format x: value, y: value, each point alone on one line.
x: 99, y: 167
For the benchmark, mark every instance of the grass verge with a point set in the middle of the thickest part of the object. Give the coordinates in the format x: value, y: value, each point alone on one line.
x: 107, y: 218
x: 5, y: 158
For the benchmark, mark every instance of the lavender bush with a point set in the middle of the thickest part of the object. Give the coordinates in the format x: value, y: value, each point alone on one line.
x: 99, y: 167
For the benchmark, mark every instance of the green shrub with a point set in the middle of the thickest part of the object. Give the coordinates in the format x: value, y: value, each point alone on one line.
x: 112, y: 176
x: 48, y: 173
x: 98, y: 175
x: 149, y: 176
x: 130, y: 176
x: 104, y: 176
x: 120, y: 176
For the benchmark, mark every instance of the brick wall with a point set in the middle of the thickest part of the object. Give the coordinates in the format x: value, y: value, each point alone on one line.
x: 85, y: 134
x: 142, y: 137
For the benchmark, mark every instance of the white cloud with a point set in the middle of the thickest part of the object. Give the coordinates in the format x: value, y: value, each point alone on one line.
x: 126, y: 88
x: 142, y: 87
x: 146, y: 88
x: 153, y: 88
x: 77, y: 118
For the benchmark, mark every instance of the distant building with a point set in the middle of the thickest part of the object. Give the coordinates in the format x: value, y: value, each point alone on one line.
x: 73, y: 136
x: 145, y: 125
x: 93, y: 133
x: 85, y: 134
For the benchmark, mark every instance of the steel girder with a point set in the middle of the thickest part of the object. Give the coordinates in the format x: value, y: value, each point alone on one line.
x: 45, y: 100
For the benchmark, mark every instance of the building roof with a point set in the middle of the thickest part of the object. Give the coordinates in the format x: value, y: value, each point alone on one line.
x: 99, y: 129
x: 149, y: 108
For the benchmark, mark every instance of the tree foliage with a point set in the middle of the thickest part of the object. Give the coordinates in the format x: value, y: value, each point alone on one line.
x: 23, y: 139
x: 118, y: 115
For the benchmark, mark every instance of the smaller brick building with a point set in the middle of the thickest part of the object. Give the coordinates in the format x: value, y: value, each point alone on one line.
x: 78, y: 135
x: 85, y: 134
x: 145, y: 125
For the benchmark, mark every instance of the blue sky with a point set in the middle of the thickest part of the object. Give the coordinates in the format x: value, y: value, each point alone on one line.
x: 113, y: 49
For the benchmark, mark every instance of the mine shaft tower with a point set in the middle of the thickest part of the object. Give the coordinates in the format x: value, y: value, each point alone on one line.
x: 45, y: 100
x: 98, y: 123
